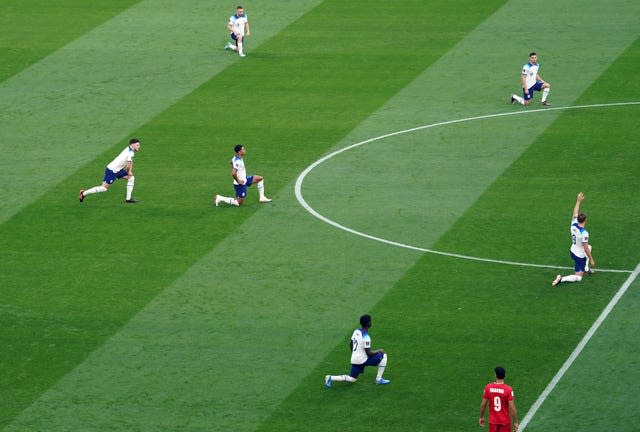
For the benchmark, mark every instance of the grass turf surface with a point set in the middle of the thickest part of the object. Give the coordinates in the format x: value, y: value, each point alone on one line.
x: 180, y: 362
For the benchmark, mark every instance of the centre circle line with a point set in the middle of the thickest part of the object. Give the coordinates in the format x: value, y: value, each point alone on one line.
x: 313, y: 212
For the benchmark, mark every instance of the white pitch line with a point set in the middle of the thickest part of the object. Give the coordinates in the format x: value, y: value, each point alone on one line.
x: 576, y: 352
x: 312, y: 211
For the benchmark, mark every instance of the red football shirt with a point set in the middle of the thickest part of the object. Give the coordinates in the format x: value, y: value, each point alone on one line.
x: 498, y: 396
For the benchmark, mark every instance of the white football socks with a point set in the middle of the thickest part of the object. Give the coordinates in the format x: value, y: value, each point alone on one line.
x: 545, y: 93
x: 230, y: 201
x: 381, y: 366
x: 343, y: 378
x: 519, y: 99
x: 260, y: 186
x: 94, y: 190
x: 240, y: 45
x: 571, y: 278
x: 130, y: 187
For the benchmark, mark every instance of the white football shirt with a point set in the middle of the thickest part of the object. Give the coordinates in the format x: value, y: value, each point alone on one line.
x: 579, y: 237
x: 121, y: 160
x: 530, y: 73
x: 359, y: 340
x: 241, y: 172
x: 237, y: 23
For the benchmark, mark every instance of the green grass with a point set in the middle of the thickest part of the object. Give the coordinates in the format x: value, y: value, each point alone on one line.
x: 33, y: 29
x: 93, y: 91
x: 173, y: 315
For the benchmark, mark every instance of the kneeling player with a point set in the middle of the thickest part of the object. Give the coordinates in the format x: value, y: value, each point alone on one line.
x: 362, y: 356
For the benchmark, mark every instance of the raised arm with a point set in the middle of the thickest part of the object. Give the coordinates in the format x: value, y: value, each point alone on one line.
x: 576, y: 208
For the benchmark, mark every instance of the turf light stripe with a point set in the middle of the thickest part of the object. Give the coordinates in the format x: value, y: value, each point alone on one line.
x: 440, y: 95
x: 91, y: 94
x: 313, y: 212
x: 579, y: 348
x: 57, y: 24
x: 106, y: 361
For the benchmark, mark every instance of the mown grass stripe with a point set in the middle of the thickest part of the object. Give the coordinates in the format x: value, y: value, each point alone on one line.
x: 33, y: 29
x: 57, y: 257
x: 312, y: 211
x: 579, y: 348
x: 442, y: 344
x: 217, y: 305
x: 66, y: 109
x: 291, y: 94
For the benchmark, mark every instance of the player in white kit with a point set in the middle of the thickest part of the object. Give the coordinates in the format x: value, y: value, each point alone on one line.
x: 580, y: 248
x: 241, y: 181
x: 120, y: 167
x: 361, y: 356
x: 531, y: 82
x: 238, y: 27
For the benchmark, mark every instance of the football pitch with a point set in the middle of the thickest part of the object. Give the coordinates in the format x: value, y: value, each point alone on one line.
x: 404, y: 185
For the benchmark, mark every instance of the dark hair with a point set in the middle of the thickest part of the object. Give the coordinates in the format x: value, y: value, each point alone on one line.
x: 532, y: 53
x: 133, y: 141
x: 582, y: 217
x: 500, y: 372
x: 365, y: 320
x: 238, y: 147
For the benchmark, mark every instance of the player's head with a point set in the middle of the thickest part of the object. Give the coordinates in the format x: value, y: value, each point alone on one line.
x: 582, y: 218
x: 134, y: 143
x: 238, y: 148
x: 365, y: 321
x: 533, y: 57
x: 239, y: 10
x: 500, y: 372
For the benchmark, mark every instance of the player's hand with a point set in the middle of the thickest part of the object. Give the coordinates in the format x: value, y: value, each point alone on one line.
x: 515, y: 427
x: 580, y: 196
x: 481, y: 421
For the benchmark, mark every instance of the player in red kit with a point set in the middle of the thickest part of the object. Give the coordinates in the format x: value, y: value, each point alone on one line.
x: 502, y: 407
